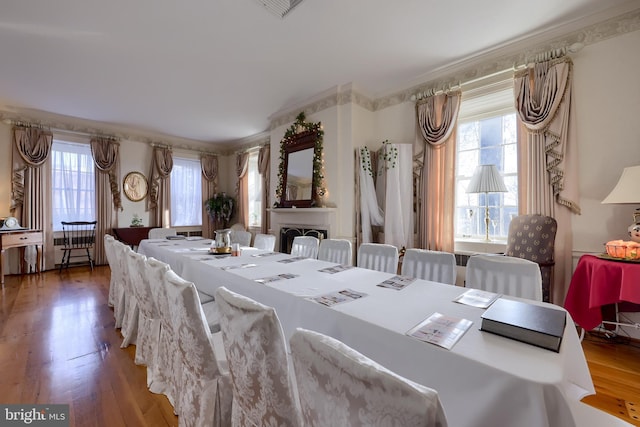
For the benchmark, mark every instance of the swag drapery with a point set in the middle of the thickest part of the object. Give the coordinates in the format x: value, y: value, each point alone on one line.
x: 264, y: 168
x: 435, y: 152
x: 31, y: 190
x: 209, y: 166
x: 242, y: 188
x: 159, y: 202
x: 106, y: 158
x: 547, y: 171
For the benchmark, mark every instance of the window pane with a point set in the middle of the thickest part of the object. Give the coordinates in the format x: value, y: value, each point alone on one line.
x: 491, y: 140
x: 72, y: 183
x: 186, y: 192
x: 255, y: 191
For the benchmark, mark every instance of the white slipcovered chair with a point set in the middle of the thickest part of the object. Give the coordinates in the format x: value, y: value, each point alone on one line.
x: 588, y: 416
x: 204, y: 396
x: 265, y: 242
x: 114, y: 279
x: 161, y: 232
x: 263, y: 385
x: 118, y: 269
x: 241, y: 236
x: 335, y: 250
x: 435, y: 266
x: 340, y: 387
x: 130, y: 313
x: 306, y: 246
x: 505, y: 275
x: 378, y: 256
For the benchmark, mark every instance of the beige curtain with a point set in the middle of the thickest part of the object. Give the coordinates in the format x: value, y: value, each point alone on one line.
x: 548, y: 156
x: 242, y: 189
x: 106, y: 157
x: 159, y: 200
x: 31, y: 189
x: 264, y: 167
x: 436, y: 145
x: 209, y: 165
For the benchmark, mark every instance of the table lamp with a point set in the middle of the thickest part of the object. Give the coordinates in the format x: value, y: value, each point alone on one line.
x: 486, y: 179
x: 627, y: 191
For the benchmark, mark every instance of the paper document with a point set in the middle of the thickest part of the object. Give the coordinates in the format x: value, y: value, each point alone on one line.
x: 477, y: 298
x: 441, y: 330
x: 338, y: 297
x: 270, y: 279
x: 397, y: 282
x: 335, y: 269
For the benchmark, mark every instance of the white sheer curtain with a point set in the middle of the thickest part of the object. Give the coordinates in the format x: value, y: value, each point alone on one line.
x: 186, y: 192
x: 394, y: 188
x: 370, y: 212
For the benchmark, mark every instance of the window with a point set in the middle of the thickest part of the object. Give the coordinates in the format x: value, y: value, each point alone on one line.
x: 255, y: 191
x: 487, y: 134
x: 186, y: 192
x: 72, y: 182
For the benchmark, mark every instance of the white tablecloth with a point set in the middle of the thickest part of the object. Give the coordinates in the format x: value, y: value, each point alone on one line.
x: 484, y: 380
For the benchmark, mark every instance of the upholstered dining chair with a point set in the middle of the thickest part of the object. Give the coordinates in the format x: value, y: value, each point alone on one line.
x: 265, y: 242
x: 205, y: 396
x: 378, y: 256
x: 435, y: 266
x: 306, y: 246
x: 504, y: 275
x: 339, y: 386
x: 107, y: 241
x: 241, y: 236
x: 162, y: 232
x: 130, y: 316
x: 335, y: 250
x: 533, y: 237
x: 263, y: 386
x: 121, y: 292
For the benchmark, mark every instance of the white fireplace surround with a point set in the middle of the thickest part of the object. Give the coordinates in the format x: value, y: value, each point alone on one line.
x: 308, y: 218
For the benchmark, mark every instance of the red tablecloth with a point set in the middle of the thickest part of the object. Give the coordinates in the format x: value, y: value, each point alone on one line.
x: 597, y: 282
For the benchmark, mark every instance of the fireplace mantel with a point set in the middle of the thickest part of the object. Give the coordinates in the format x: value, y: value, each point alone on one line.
x: 308, y: 218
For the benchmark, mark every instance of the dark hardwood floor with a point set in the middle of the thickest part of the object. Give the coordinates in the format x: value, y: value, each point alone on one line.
x: 58, y: 345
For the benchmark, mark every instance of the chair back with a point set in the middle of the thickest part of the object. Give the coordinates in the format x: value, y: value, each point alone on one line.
x: 306, y: 246
x: 335, y: 250
x: 265, y: 242
x: 533, y: 237
x: 263, y: 389
x: 241, y: 236
x: 504, y: 275
x: 378, y: 256
x: 339, y: 386
x: 435, y: 266
x: 161, y: 232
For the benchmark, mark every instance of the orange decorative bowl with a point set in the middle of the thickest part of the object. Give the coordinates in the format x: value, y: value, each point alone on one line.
x: 623, y: 249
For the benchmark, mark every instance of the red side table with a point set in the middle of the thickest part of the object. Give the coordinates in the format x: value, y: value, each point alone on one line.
x: 597, y: 282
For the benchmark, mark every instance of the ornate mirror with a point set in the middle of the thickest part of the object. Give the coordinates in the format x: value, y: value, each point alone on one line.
x: 300, y: 174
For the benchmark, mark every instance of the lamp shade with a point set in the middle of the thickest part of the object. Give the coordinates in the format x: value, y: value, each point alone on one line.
x: 627, y: 190
x: 486, y: 179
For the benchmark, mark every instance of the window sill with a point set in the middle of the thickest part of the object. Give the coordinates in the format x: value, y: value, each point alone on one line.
x: 479, y: 246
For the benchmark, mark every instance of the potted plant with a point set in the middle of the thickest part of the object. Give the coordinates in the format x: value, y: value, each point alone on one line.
x: 220, y: 208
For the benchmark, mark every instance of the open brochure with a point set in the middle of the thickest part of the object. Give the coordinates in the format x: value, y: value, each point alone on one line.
x: 264, y: 254
x: 477, y: 298
x: 282, y: 276
x: 441, y: 330
x: 234, y: 267
x: 338, y: 297
x: 294, y: 259
x: 335, y: 269
x: 397, y: 282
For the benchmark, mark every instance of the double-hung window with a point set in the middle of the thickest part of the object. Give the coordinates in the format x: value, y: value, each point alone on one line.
x: 186, y: 192
x: 486, y: 134
x: 72, y: 182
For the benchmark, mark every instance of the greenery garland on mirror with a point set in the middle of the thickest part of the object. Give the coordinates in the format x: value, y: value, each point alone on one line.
x: 297, y: 127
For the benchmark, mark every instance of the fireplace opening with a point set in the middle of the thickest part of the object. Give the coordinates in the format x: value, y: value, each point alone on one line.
x: 287, y: 235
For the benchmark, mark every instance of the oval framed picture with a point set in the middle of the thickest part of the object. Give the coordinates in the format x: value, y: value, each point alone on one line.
x: 135, y: 186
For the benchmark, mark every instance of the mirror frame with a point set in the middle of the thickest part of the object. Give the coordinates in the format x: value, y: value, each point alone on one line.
x: 301, y: 136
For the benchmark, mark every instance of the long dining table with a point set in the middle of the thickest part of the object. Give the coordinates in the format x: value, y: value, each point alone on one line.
x: 483, y: 380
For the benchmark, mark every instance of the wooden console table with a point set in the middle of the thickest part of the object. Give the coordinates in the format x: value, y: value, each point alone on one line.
x: 132, y: 235
x: 20, y: 239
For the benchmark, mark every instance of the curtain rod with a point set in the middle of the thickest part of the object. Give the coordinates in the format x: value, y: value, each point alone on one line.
x: 539, y: 57
x: 24, y: 124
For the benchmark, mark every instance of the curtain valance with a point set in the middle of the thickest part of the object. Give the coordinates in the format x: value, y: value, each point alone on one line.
x: 106, y: 157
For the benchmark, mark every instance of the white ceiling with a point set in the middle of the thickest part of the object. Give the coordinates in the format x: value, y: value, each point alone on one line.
x: 215, y: 70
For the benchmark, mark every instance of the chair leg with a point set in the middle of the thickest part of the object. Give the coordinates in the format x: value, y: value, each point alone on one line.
x: 90, y: 259
x: 64, y: 255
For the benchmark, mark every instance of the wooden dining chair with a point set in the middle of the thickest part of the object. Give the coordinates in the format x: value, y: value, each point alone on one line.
x: 78, y: 236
